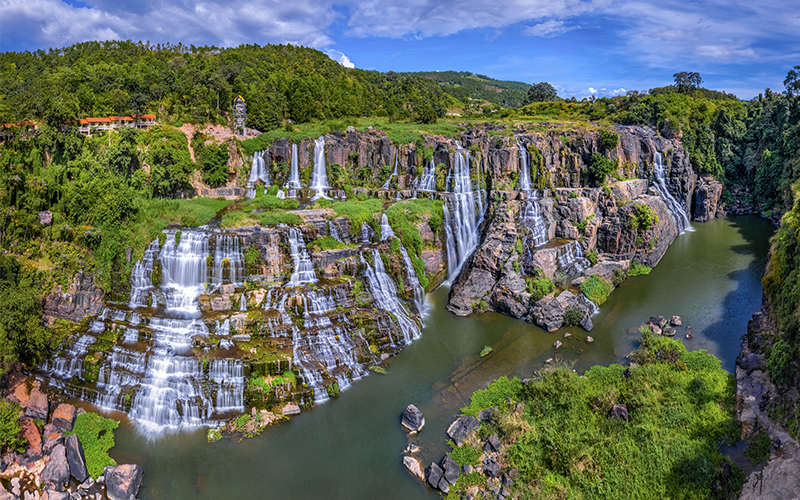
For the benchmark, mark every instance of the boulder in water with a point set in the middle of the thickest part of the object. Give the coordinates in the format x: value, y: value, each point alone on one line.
x: 675, y: 321
x: 414, y: 467
x: 451, y: 469
x: 291, y: 409
x: 661, y: 321
x: 462, y: 428
x: 669, y: 331
x: 435, y: 475
x: 557, y: 344
x: 123, y: 481
x: 412, y: 419
x: 76, y: 458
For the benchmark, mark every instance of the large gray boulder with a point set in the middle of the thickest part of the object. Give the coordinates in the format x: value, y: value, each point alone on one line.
x: 64, y: 417
x: 412, y: 419
x: 51, y: 437
x: 435, y: 475
x: 462, y: 428
x: 76, y: 458
x: 56, y: 472
x: 123, y: 481
x: 451, y: 469
x: 37, y: 405
x: 414, y: 467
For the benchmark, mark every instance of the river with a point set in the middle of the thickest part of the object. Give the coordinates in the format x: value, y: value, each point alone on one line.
x: 350, y: 447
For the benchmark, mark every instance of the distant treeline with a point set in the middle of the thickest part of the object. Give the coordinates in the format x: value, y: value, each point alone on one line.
x: 198, y: 84
x: 464, y: 85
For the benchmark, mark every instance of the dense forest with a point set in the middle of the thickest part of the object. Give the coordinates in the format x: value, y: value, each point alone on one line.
x: 197, y: 84
x: 465, y: 86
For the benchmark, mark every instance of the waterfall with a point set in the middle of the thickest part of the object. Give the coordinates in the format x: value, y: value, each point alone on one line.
x: 183, y: 270
x: 461, y: 219
x: 366, y: 233
x: 294, y: 174
x: 164, y: 386
x: 427, y: 181
x: 333, y: 232
x: 319, y: 177
x: 142, y: 276
x: 243, y: 302
x: 534, y: 227
x: 257, y: 172
x: 570, y: 259
x: 524, y: 171
x: 660, y: 183
x: 394, y: 172
x: 228, y: 254
x: 303, y: 268
x: 386, y: 229
x: 413, y: 279
x: 385, y: 294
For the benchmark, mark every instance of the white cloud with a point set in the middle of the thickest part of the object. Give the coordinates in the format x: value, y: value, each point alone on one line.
x: 592, y: 90
x: 548, y: 29
x: 199, y: 22
x: 340, y: 58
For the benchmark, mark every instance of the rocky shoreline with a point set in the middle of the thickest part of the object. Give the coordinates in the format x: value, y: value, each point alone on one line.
x: 52, y: 464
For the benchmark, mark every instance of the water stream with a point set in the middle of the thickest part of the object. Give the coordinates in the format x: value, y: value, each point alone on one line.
x: 350, y: 447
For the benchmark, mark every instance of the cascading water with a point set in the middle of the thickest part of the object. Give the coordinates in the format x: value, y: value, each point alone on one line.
x: 394, y: 172
x: 303, y: 267
x: 366, y: 233
x: 461, y: 216
x: 159, y: 383
x: 660, y: 183
x: 570, y: 259
x: 386, y: 229
x: 257, y: 172
x: 228, y: 261
x: 534, y: 227
x: 524, y: 168
x: 294, y: 173
x: 319, y: 177
x: 333, y: 231
x: 427, y: 181
x: 385, y: 294
x: 413, y: 280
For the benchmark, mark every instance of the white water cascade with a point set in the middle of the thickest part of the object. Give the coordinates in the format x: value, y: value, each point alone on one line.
x: 257, y: 172
x: 462, y: 216
x: 294, y: 174
x: 534, y: 227
x: 524, y: 179
x: 427, y: 181
x: 386, y: 229
x: 660, y: 183
x: 413, y: 280
x: 570, y: 259
x: 319, y: 177
x: 303, y: 267
x: 159, y: 383
x: 394, y: 172
x: 228, y: 261
x: 385, y: 294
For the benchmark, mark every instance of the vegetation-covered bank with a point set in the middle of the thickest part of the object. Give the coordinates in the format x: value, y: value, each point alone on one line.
x: 564, y: 435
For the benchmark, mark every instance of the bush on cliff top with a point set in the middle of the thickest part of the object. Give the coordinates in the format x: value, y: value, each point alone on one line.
x: 565, y: 444
x: 596, y: 289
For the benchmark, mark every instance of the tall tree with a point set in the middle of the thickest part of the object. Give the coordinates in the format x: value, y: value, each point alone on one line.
x: 792, y: 82
x: 687, y: 81
x: 541, y: 92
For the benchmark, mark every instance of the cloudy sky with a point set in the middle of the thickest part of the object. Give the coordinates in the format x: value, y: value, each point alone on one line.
x: 582, y: 47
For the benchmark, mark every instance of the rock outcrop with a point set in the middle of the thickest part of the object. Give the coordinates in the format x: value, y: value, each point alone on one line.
x: 82, y: 298
x: 123, y: 481
x: 706, y: 199
x: 412, y: 419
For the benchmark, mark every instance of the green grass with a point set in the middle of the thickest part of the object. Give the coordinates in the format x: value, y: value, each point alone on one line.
x: 358, y: 212
x: 96, y: 434
x: 271, y: 218
x: 638, y: 269
x: 596, y: 289
x: 565, y: 445
x: 326, y: 243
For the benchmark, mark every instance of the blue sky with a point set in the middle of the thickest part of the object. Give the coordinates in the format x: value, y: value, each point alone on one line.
x: 582, y: 47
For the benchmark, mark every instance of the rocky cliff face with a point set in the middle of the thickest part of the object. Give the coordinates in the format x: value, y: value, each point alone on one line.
x: 82, y: 298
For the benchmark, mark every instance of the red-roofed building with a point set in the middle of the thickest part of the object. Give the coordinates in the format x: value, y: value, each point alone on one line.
x: 91, y: 124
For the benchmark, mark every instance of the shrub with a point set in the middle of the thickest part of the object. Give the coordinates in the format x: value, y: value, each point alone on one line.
x: 609, y: 139
x: 779, y: 364
x: 596, y: 289
x: 642, y: 218
x: 539, y: 286
x: 9, y: 427
x: 618, y: 277
x: 572, y: 317
x: 600, y: 167
x: 758, y: 447
x: 638, y: 269
x: 592, y: 256
x: 96, y: 434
